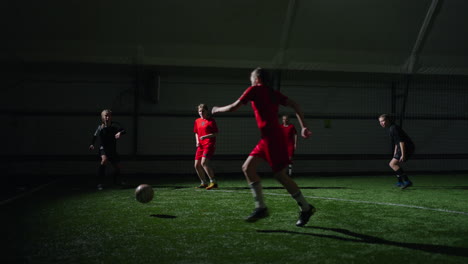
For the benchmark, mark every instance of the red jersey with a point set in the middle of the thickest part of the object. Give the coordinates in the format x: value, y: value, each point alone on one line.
x: 272, y: 145
x: 265, y: 109
x: 290, y: 132
x: 204, y: 127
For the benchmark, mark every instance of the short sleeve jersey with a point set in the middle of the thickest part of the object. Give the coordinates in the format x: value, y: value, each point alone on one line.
x: 397, y: 135
x: 204, y: 127
x: 265, y: 104
x: 289, y: 132
x: 106, y: 135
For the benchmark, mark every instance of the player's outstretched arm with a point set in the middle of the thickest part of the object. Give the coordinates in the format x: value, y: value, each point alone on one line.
x: 227, y: 108
x: 305, y: 132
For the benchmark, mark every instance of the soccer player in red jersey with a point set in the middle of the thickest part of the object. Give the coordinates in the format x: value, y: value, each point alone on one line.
x: 272, y: 146
x: 205, y: 130
x: 290, y: 133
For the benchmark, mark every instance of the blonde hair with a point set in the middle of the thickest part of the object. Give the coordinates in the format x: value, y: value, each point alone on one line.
x: 203, y: 106
x: 264, y: 77
x: 386, y: 117
x: 103, y: 112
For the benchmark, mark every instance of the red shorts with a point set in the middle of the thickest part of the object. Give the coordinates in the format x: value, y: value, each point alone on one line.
x: 272, y: 149
x: 206, y: 151
x: 290, y: 153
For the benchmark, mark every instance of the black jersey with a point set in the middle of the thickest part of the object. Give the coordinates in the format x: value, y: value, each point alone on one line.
x: 106, y: 135
x: 397, y: 135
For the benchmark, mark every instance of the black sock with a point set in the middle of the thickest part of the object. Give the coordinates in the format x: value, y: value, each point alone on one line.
x: 101, y: 173
x: 400, y: 175
x: 116, y: 175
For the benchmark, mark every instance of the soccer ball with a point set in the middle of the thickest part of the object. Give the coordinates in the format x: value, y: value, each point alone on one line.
x: 144, y: 193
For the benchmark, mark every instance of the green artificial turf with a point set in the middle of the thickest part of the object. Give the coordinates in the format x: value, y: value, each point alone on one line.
x: 359, y: 220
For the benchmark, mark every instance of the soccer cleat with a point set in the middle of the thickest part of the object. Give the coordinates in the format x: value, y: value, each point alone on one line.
x: 100, y: 187
x: 406, y: 184
x: 202, y: 186
x: 399, y: 184
x: 212, y: 186
x: 304, y: 216
x: 257, y: 214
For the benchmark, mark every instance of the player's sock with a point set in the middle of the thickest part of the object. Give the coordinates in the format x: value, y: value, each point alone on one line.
x: 100, y: 176
x: 116, y: 176
x: 400, y: 180
x: 256, y: 188
x: 101, y: 172
x: 301, y: 201
x: 401, y: 175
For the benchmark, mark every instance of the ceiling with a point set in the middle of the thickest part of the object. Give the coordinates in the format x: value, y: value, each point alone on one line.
x: 393, y: 36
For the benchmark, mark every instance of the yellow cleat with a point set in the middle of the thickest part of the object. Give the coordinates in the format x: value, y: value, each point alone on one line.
x: 202, y: 186
x: 212, y: 186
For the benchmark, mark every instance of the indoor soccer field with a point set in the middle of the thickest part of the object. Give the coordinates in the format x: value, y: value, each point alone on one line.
x: 178, y: 94
x: 360, y: 219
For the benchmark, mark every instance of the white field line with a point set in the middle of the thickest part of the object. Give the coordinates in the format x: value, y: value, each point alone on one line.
x: 359, y: 201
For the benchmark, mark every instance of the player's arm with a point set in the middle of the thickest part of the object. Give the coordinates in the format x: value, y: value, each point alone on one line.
x: 403, y: 148
x: 227, y: 108
x: 212, y: 135
x: 305, y: 132
x: 91, y: 146
x: 118, y: 134
x: 121, y: 131
x: 196, y: 140
x: 93, y: 140
x: 295, y: 141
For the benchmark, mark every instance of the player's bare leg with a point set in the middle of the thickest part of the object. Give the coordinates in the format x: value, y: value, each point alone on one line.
x: 394, y: 164
x: 250, y: 171
x: 201, y: 174
x: 287, y: 182
x: 307, y: 210
x: 102, y: 172
x: 205, y: 163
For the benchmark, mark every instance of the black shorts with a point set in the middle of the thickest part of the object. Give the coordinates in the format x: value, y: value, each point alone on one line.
x: 409, y: 153
x: 111, y: 155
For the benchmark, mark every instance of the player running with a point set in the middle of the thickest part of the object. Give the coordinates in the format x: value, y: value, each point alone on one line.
x: 403, y: 149
x: 108, y: 133
x: 272, y: 146
x: 205, y: 130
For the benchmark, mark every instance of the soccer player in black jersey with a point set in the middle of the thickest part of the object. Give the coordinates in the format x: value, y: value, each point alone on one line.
x: 108, y: 132
x: 403, y: 149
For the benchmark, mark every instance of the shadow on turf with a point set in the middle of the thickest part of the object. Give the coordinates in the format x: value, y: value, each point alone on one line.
x: 444, y: 187
x: 156, y: 186
x: 231, y: 188
x: 163, y: 216
x: 280, y: 188
x: 360, y: 238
